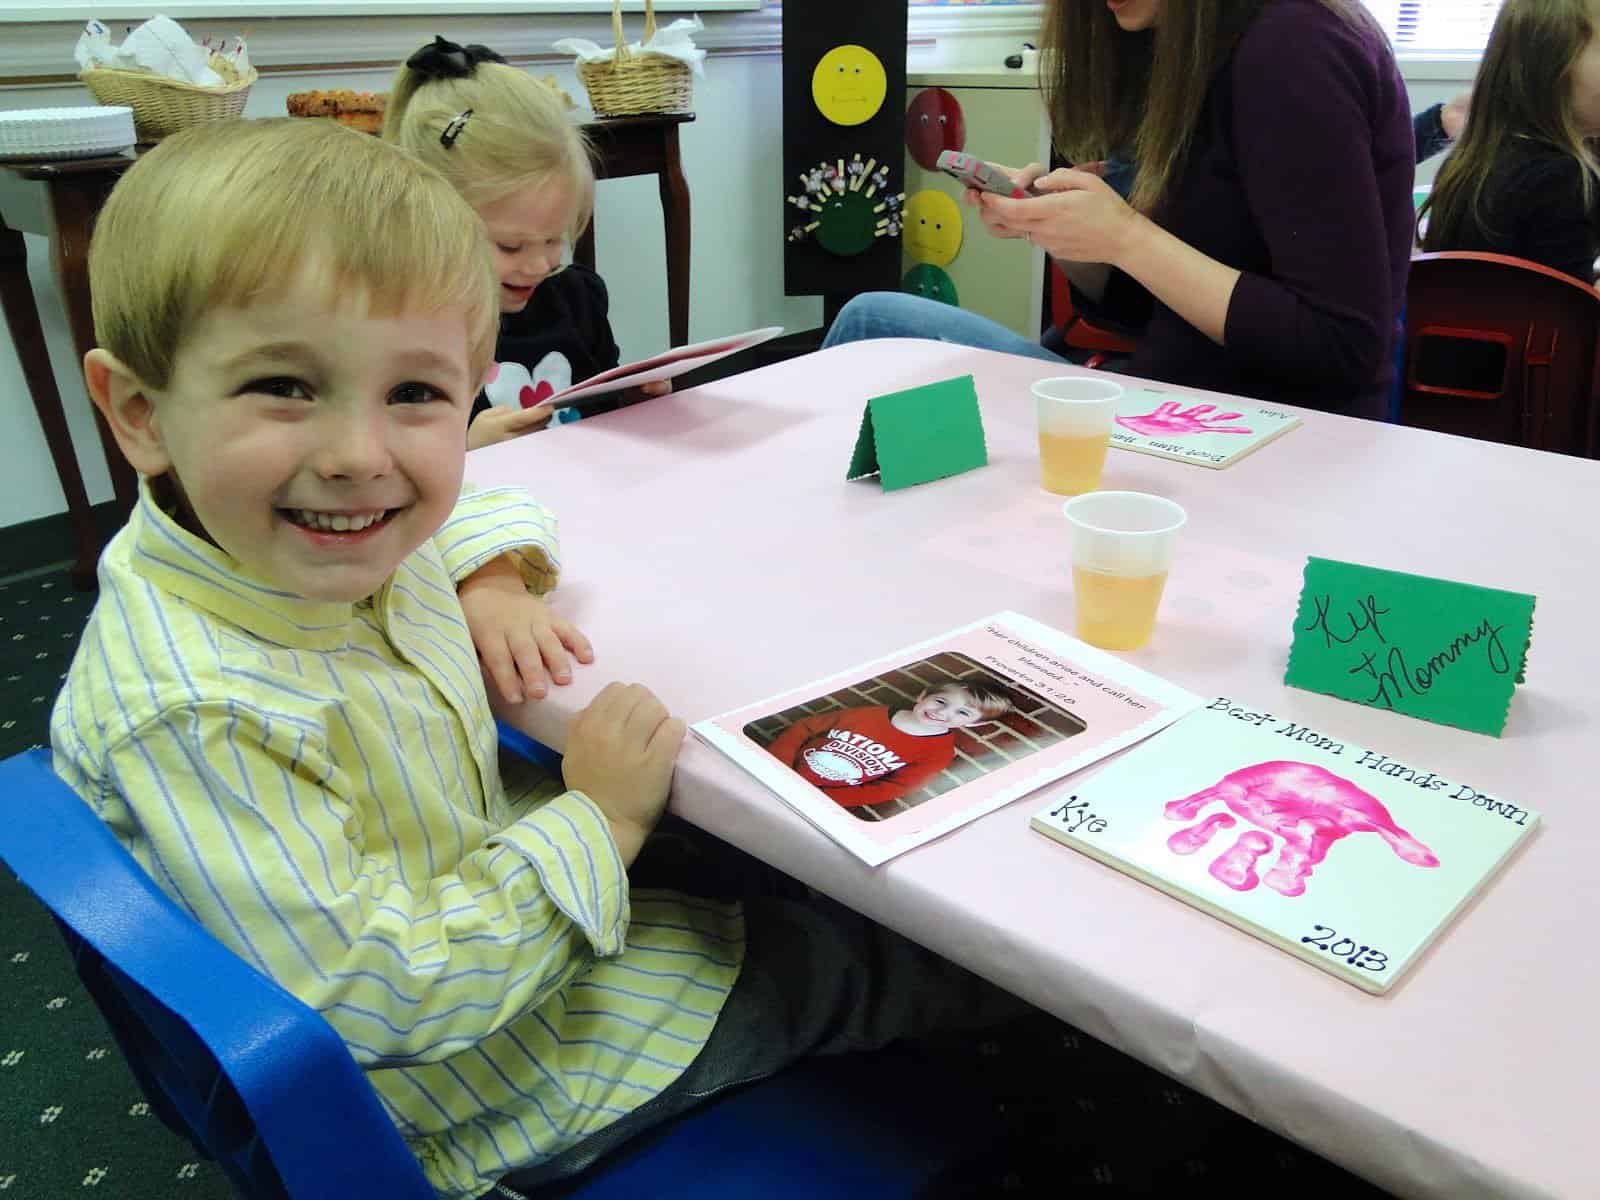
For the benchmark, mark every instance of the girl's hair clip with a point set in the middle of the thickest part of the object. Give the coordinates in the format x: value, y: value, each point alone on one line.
x: 453, y: 130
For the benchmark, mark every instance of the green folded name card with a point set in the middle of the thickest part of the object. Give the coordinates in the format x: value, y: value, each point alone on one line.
x: 1450, y: 653
x: 920, y: 434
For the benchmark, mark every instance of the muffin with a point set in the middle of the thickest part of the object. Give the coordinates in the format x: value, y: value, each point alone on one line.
x: 359, y: 110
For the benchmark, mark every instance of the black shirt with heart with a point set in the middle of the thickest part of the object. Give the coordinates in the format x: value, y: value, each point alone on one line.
x: 561, y: 337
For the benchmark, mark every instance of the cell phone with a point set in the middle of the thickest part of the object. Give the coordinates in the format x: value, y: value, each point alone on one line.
x: 976, y: 173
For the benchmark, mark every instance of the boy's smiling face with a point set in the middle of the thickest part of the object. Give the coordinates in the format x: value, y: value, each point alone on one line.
x: 947, y: 708
x: 316, y: 443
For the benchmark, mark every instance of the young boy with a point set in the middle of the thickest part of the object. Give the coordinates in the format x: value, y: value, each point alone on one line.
x: 868, y: 755
x: 278, y: 703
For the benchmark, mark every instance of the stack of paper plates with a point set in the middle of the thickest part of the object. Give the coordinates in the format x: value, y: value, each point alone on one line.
x: 65, y: 132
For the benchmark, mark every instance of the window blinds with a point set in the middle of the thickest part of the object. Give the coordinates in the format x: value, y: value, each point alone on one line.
x: 1436, y: 26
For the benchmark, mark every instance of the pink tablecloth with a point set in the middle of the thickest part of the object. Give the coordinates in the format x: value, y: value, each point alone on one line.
x: 714, y: 551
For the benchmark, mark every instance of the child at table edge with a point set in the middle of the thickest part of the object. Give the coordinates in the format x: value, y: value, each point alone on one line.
x: 278, y: 707
x: 1522, y: 179
x: 504, y: 140
x: 871, y: 754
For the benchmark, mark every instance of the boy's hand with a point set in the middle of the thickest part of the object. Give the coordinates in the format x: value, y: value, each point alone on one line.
x: 619, y: 753
x: 520, y: 642
x: 501, y: 424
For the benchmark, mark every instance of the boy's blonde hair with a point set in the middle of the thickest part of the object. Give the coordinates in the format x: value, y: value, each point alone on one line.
x: 226, y: 213
x: 518, y: 135
x: 990, y: 699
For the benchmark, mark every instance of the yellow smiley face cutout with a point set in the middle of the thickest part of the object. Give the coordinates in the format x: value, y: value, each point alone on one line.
x: 933, y: 228
x: 849, y: 85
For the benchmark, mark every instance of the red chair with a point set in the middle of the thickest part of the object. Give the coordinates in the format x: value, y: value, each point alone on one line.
x: 1501, y: 349
x: 1077, y: 332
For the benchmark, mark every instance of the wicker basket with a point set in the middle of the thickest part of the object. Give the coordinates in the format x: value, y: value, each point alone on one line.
x: 630, y: 84
x: 161, y: 105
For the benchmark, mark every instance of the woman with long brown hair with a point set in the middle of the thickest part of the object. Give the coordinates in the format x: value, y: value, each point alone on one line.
x: 1265, y: 247
x: 1521, y: 181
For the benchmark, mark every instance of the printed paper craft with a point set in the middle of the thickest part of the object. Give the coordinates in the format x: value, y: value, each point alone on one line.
x: 667, y: 365
x: 933, y: 228
x: 920, y: 434
x: 1343, y: 856
x: 849, y: 85
x: 1450, y: 653
x: 931, y: 283
x: 896, y: 752
x: 934, y: 122
x: 1180, y: 426
x: 842, y: 209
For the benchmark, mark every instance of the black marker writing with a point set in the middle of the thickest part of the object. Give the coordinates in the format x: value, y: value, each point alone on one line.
x: 1394, y: 677
x: 1360, y: 621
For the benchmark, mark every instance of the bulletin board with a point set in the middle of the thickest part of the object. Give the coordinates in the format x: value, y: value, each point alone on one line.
x: 844, y: 78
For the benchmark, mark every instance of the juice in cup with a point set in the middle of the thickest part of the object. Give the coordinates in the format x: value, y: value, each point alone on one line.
x: 1071, y: 465
x: 1121, y: 549
x: 1116, y: 612
x: 1075, y: 413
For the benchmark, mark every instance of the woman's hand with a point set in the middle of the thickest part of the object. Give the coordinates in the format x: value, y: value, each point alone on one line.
x: 1021, y: 176
x: 1080, y: 219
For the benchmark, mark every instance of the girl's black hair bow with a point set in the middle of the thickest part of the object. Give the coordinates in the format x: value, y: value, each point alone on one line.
x: 446, y: 60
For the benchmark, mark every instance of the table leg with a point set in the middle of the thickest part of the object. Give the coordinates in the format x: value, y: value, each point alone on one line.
x: 675, y: 213
x: 22, y: 319
x: 74, y: 204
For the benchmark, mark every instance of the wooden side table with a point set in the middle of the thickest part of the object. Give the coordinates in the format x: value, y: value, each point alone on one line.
x: 648, y: 145
x: 61, y: 199
x: 72, y: 193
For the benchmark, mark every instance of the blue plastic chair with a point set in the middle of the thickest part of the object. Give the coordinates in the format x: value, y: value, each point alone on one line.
x: 227, y: 1058
x: 224, y: 1055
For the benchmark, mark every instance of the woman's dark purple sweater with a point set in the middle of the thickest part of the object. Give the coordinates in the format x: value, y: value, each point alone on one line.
x: 1299, y: 176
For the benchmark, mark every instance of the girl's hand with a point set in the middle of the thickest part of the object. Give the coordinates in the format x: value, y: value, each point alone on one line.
x: 1081, y: 219
x: 520, y: 642
x: 644, y: 392
x: 500, y: 424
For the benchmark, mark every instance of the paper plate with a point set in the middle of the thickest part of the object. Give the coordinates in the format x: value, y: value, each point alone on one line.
x: 65, y: 132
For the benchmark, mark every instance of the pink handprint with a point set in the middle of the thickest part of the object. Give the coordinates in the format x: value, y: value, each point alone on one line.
x: 1168, y: 420
x: 1308, y: 807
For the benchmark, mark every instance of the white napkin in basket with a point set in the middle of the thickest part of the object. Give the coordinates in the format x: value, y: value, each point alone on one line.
x: 675, y: 41
x: 159, y: 46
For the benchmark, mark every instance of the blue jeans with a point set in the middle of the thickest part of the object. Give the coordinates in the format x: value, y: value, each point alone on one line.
x: 896, y: 314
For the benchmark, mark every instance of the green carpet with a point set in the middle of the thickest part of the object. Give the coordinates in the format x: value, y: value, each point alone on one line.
x: 72, y: 1119
x: 1081, y: 1118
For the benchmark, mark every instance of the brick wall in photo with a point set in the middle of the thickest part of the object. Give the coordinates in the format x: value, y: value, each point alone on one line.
x: 979, y: 750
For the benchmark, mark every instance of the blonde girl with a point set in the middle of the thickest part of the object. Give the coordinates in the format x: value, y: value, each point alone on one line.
x: 506, y: 143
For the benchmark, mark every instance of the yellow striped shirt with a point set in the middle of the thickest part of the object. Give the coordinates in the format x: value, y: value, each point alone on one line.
x: 319, y: 785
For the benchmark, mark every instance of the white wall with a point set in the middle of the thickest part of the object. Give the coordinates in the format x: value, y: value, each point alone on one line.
x: 732, y: 159
x: 734, y: 167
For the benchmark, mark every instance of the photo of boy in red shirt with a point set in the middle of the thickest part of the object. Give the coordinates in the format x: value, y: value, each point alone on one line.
x: 871, y: 754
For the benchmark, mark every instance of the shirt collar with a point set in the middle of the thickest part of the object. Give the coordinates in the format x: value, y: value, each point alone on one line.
x: 175, y: 560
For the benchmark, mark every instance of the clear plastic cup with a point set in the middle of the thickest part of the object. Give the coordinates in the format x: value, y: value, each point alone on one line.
x: 1075, y: 415
x: 1121, y: 548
